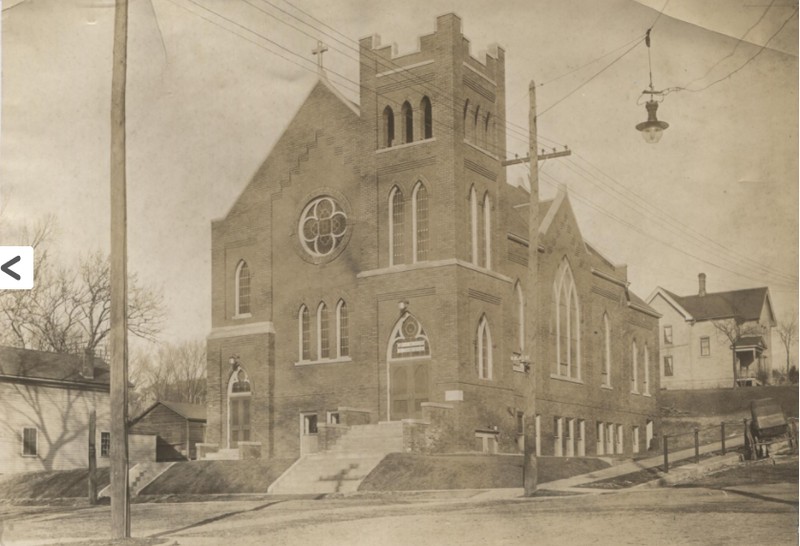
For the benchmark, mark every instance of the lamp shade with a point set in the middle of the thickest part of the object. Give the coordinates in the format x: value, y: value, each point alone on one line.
x: 652, y: 129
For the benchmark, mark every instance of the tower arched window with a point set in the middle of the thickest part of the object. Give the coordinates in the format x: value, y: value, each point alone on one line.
x: 473, y: 225
x: 567, y: 324
x: 606, y: 351
x: 427, y: 117
x: 646, y: 381
x: 304, y: 333
x: 487, y: 231
x: 466, y: 121
x: 388, y: 127
x: 323, y: 332
x: 484, y: 349
x: 488, y: 137
x: 396, y: 226
x: 420, y: 222
x: 242, y: 289
x: 634, y: 367
x: 520, y: 317
x: 407, y: 114
x: 476, y: 126
x: 342, y: 329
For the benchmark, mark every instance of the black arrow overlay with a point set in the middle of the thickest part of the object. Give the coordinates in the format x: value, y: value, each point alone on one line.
x: 6, y: 267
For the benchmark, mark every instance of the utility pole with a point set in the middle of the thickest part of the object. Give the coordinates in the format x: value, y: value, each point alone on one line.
x: 120, y: 495
x: 529, y: 470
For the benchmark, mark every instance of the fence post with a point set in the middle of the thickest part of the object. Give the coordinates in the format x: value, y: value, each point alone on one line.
x: 666, y: 455
x: 722, y: 435
x: 696, y: 445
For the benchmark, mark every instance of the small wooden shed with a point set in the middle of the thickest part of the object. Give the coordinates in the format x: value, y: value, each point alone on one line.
x: 178, y: 426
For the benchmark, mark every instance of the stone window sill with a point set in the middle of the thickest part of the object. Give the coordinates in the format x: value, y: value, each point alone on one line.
x: 338, y: 360
x: 567, y: 379
x: 242, y: 316
x: 607, y: 387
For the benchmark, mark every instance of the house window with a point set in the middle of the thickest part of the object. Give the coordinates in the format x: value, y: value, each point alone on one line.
x: 242, y: 289
x: 427, y: 117
x: 606, y: 351
x: 634, y: 368
x: 668, y: 366
x: 567, y: 324
x: 388, y: 127
x: 305, y: 333
x: 473, y: 225
x: 105, y: 444
x: 407, y: 115
x: 487, y: 231
x: 484, y: 349
x: 343, y: 329
x: 396, y: 226
x: 705, y: 346
x: 323, y: 341
x: 668, y: 335
x: 334, y: 418
x: 30, y: 441
x: 420, y: 221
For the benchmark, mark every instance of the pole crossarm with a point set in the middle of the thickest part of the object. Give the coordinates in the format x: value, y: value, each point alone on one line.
x: 541, y: 157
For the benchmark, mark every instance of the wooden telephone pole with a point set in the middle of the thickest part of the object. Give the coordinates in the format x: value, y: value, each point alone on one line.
x: 529, y: 470
x: 120, y: 495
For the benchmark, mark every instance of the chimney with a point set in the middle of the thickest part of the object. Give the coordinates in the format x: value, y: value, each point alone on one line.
x: 87, y: 365
x: 702, y: 281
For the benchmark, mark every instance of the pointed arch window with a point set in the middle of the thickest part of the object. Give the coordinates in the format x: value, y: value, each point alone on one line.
x: 488, y: 137
x: 407, y: 114
x: 388, y: 127
x: 323, y: 339
x: 420, y: 222
x: 466, y: 121
x: 606, y: 351
x: 396, y: 226
x: 484, y: 349
x: 567, y: 324
x: 646, y: 381
x: 408, y: 339
x: 242, y: 289
x: 427, y: 117
x: 342, y: 329
x: 487, y: 231
x: 520, y: 317
x: 476, y: 126
x: 634, y: 368
x: 304, y: 333
x: 473, y: 225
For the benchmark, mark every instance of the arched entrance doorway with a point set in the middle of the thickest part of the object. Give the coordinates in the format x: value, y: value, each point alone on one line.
x: 239, y: 394
x: 408, y: 369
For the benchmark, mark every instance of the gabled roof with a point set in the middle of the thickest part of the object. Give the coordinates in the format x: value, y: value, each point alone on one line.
x: 744, y: 305
x: 26, y: 365
x: 191, y: 412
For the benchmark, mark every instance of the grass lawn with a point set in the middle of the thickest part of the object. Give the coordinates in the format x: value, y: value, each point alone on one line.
x: 51, y: 484
x: 218, y: 477
x: 409, y: 472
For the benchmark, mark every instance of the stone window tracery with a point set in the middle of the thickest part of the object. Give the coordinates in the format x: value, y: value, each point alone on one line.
x: 323, y: 225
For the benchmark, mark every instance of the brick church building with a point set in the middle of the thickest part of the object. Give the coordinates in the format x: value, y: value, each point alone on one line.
x: 374, y: 270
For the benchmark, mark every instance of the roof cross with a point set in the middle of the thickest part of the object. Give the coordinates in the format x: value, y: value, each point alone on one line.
x: 319, y: 50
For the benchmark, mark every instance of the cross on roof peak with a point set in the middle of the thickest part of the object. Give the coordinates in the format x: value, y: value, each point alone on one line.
x: 319, y: 50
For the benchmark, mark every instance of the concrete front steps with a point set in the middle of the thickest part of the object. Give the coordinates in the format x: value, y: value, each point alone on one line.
x: 343, y: 467
x: 140, y: 476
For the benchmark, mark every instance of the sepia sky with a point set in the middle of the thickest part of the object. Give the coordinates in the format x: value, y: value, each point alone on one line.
x: 207, y: 101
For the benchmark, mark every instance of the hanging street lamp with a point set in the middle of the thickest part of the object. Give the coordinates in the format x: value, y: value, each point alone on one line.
x: 652, y: 130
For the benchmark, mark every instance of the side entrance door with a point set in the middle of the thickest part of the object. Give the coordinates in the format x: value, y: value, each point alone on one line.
x: 240, y: 420
x: 410, y: 387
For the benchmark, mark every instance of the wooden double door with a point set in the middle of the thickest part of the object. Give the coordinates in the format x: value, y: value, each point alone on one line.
x: 239, y: 420
x: 409, y: 387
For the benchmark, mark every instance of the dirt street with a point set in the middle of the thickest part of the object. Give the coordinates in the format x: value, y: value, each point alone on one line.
x: 693, y: 515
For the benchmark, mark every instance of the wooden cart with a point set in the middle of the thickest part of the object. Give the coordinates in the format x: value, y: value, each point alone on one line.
x: 768, y: 426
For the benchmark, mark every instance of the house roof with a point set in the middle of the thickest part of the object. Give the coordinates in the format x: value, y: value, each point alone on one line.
x: 191, y: 412
x: 28, y: 365
x: 744, y: 304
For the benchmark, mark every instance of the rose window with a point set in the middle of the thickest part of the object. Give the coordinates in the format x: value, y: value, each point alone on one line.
x: 323, y: 225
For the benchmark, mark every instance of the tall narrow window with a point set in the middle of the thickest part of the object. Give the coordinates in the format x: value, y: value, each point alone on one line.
x: 30, y: 441
x: 476, y: 126
x: 343, y: 329
x: 242, y: 288
x: 600, y: 434
x: 668, y: 335
x: 646, y: 382
x: 466, y: 121
x: 484, y: 349
x: 388, y: 127
x: 420, y: 219
x: 396, y: 226
x: 473, y: 225
x: 427, y: 117
x: 606, y: 351
x: 520, y: 317
x: 487, y: 231
x: 105, y: 444
x: 323, y: 341
x: 705, y: 346
x: 488, y: 137
x: 634, y: 368
x: 304, y: 324
x: 408, y: 122
x: 668, y: 366
x: 567, y: 324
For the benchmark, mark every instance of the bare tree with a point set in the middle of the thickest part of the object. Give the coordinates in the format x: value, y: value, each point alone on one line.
x: 175, y: 373
x: 734, y: 330
x: 787, y: 330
